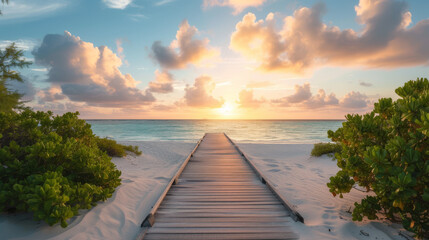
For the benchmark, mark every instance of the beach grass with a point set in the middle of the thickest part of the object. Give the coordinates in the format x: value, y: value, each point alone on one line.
x: 114, y: 149
x: 325, y: 148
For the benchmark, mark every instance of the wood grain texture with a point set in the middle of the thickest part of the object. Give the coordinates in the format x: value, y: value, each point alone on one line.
x: 219, y: 196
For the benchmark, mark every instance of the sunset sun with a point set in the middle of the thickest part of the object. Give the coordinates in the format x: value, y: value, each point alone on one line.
x: 227, y: 109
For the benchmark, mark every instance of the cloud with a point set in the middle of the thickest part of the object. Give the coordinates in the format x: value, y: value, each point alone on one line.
x: 321, y: 100
x: 21, y: 44
x: 19, y: 9
x: 117, y: 4
x: 263, y: 84
x: 52, y: 94
x: 25, y: 88
x: 199, y: 95
x: 238, y: 5
x: 88, y: 74
x: 137, y: 17
x: 365, y: 84
x: 246, y: 100
x: 184, y: 50
x: 302, y: 97
x: 163, y: 2
x: 386, y: 41
x: 163, y: 82
x: 354, y: 100
x: 301, y: 94
x: 40, y: 69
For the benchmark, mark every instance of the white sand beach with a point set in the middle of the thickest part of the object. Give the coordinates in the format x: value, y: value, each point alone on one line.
x: 300, y: 178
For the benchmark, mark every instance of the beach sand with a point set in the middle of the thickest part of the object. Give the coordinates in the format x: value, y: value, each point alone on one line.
x: 300, y: 178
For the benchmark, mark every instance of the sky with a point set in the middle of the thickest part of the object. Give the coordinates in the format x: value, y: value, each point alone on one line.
x: 215, y: 59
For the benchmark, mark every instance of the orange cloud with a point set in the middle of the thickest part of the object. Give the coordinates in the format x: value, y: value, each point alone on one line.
x: 386, y: 40
x: 238, y: 5
x: 163, y: 82
x: 88, y: 74
x: 199, y: 95
x: 183, y: 50
x: 246, y: 99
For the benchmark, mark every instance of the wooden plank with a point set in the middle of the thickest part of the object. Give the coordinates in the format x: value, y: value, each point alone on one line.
x: 225, y: 236
x: 225, y: 219
x: 265, y: 229
x: 224, y: 224
x: 223, y: 215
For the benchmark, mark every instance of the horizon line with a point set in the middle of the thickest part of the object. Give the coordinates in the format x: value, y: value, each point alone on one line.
x: 215, y: 119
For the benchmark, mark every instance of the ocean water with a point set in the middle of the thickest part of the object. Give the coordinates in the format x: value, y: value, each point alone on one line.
x: 246, y: 131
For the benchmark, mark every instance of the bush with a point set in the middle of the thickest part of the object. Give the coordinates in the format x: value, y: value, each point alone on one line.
x: 51, y: 166
x: 387, y: 151
x: 325, y: 148
x: 114, y: 149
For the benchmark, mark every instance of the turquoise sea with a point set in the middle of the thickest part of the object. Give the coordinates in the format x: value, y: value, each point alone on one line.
x: 261, y: 131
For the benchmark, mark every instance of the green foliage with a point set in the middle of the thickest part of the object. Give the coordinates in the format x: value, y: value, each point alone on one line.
x: 325, y: 148
x: 114, y: 149
x: 387, y: 151
x: 10, y: 58
x: 51, y: 166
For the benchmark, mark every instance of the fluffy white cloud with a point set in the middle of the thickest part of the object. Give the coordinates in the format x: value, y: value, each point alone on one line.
x: 118, y: 4
x: 183, y: 50
x: 89, y: 74
x: 238, y: 5
x: 246, y: 99
x: 305, y: 41
x: 163, y: 82
x: 199, y: 95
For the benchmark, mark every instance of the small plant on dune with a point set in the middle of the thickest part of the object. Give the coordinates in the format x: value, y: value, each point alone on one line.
x: 387, y: 151
x: 325, y: 148
x: 114, y: 149
x: 52, y: 166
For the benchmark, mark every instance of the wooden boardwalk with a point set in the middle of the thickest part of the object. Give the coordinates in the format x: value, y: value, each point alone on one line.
x: 219, y: 196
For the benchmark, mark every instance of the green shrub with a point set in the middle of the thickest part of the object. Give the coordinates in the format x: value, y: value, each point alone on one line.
x: 387, y: 151
x: 114, y: 149
x: 51, y: 166
x: 325, y: 148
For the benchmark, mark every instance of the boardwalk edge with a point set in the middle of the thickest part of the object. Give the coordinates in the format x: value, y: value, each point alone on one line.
x: 149, y: 220
x: 296, y: 216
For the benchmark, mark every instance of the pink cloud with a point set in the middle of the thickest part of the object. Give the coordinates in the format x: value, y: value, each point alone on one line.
x: 386, y: 41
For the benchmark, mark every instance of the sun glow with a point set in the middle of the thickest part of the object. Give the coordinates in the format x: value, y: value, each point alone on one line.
x: 227, y: 110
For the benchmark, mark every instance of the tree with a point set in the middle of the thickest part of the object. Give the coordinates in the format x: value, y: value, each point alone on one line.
x: 387, y: 151
x: 10, y: 59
